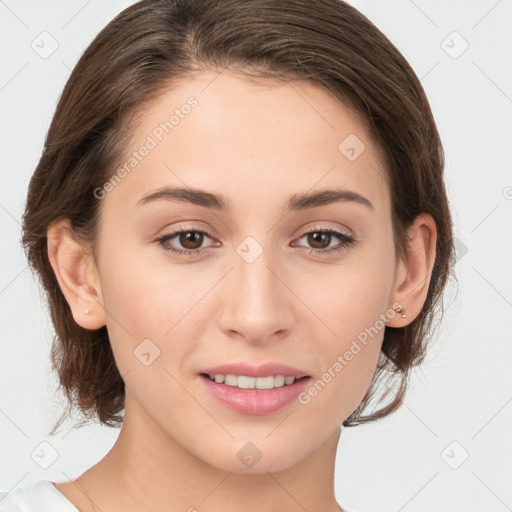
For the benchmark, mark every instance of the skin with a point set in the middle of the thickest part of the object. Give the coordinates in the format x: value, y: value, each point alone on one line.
x: 257, y: 144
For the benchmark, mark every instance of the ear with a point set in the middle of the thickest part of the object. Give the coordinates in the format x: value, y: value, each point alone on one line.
x: 77, y: 274
x: 412, y: 278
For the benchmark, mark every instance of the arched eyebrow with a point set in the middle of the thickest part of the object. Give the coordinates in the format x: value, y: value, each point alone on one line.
x: 219, y: 202
x: 323, y: 197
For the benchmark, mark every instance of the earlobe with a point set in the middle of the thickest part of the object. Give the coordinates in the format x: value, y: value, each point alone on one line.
x: 413, y: 276
x: 77, y: 275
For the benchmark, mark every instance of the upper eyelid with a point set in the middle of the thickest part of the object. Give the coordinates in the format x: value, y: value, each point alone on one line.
x: 327, y: 228
x: 307, y: 231
x: 317, y: 227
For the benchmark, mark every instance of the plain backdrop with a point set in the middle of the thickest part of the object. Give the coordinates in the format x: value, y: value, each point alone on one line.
x: 449, y: 447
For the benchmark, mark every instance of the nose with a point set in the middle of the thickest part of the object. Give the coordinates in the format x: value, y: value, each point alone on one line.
x: 256, y: 304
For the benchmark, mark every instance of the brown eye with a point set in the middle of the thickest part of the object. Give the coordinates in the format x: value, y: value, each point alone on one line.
x: 191, y: 239
x: 319, y: 239
x: 185, y: 241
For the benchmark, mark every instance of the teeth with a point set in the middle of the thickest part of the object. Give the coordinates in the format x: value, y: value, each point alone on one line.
x: 245, y: 382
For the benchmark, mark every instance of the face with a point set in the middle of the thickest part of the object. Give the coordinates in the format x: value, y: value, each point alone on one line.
x: 193, y: 282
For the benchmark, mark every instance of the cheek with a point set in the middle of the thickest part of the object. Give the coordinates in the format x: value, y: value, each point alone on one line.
x: 150, y: 298
x: 348, y: 298
x: 148, y: 310
x: 352, y: 310
x: 152, y: 325
x: 348, y: 364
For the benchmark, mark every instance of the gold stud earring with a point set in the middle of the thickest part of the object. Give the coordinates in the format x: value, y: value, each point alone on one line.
x: 399, y: 310
x: 87, y: 311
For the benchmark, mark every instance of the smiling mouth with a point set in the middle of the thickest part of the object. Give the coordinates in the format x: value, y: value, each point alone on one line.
x: 253, y: 383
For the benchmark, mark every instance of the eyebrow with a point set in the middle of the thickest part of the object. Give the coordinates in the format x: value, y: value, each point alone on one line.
x: 218, y: 202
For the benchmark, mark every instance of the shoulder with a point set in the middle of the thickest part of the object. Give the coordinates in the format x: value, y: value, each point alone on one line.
x: 42, y: 496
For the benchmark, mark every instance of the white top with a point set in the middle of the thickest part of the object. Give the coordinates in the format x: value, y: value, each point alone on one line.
x: 42, y: 496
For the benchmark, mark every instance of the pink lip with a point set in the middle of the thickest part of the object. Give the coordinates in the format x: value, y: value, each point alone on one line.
x: 252, y: 401
x: 264, y: 370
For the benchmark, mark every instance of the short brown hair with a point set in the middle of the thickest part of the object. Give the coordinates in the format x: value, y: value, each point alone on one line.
x: 153, y: 43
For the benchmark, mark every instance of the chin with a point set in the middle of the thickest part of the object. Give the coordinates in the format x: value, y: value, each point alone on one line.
x: 256, y: 455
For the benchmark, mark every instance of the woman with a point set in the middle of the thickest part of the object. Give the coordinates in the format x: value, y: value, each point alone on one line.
x: 241, y: 224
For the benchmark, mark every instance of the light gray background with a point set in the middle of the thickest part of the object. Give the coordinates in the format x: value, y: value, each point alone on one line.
x: 459, y: 404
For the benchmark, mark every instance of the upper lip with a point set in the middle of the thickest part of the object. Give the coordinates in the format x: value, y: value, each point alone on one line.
x: 263, y: 370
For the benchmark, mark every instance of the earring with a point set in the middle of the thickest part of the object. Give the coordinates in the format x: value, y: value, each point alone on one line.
x: 400, y: 309
x: 87, y: 311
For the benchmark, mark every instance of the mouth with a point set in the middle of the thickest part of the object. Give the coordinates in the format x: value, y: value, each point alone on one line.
x: 254, y: 396
x: 247, y: 382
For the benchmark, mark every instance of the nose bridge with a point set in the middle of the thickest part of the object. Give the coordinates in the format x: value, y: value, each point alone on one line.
x: 255, y: 305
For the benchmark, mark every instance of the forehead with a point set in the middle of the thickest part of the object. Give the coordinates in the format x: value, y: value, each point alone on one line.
x: 262, y: 139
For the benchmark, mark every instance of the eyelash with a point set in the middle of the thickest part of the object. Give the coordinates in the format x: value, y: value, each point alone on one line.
x: 346, y: 241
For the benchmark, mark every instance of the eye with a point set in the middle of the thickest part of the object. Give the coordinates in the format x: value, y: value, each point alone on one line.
x: 190, y: 239
x: 321, y: 239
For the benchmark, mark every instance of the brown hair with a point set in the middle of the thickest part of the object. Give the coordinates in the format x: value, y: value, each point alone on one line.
x: 150, y: 45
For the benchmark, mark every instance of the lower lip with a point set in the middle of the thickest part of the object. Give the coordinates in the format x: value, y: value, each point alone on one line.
x: 255, y: 402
